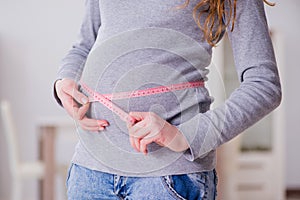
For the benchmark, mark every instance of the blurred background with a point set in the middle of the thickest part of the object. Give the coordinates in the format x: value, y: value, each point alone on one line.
x: 262, y: 163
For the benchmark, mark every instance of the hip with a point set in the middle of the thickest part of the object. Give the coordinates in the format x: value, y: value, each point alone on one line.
x: 84, y: 183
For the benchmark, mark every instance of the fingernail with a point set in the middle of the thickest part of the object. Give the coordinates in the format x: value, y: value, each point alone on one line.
x: 84, y: 100
x: 101, y: 128
x: 132, y: 121
x: 100, y: 123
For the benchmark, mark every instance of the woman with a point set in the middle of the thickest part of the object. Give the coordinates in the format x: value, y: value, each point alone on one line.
x: 165, y: 147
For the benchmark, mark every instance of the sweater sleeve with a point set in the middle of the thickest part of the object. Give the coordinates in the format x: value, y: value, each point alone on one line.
x: 258, y: 94
x: 72, y: 64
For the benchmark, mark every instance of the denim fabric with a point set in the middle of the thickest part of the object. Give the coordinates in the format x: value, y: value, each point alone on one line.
x: 84, y: 184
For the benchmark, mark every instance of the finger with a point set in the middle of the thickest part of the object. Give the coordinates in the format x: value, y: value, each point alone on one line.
x: 88, y: 122
x: 102, y: 122
x: 93, y: 129
x: 132, y: 143
x: 132, y: 140
x: 82, y: 111
x: 78, y: 96
x: 139, y: 135
x: 70, y: 106
x: 91, y: 125
x: 137, y: 143
x: 137, y: 126
x: 138, y: 115
x: 135, y: 133
x: 153, y: 136
x: 130, y: 122
x: 142, y: 132
x: 144, y: 143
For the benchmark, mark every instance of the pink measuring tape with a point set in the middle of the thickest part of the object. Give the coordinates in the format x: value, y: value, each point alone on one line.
x: 105, y: 99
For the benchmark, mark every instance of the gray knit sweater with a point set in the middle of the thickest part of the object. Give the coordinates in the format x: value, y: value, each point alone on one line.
x: 139, y: 44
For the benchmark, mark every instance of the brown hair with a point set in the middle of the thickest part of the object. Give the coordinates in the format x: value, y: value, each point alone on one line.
x: 214, y: 10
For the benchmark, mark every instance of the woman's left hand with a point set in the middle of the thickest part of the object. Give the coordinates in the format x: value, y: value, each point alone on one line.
x: 150, y: 127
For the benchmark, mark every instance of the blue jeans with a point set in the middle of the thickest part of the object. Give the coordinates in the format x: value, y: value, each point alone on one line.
x: 84, y: 184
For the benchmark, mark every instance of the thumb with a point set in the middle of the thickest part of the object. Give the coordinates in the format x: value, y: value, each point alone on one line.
x: 134, y: 117
x: 82, y: 111
x: 138, y: 115
x: 78, y: 96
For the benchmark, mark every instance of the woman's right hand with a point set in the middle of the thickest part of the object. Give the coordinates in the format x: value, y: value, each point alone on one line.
x: 77, y: 104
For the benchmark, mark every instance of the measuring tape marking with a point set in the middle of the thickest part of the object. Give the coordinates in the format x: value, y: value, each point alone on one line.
x: 107, y: 103
x: 154, y: 90
x: 105, y: 99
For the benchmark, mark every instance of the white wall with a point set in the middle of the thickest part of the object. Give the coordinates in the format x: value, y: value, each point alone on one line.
x: 35, y: 35
x: 285, y: 17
